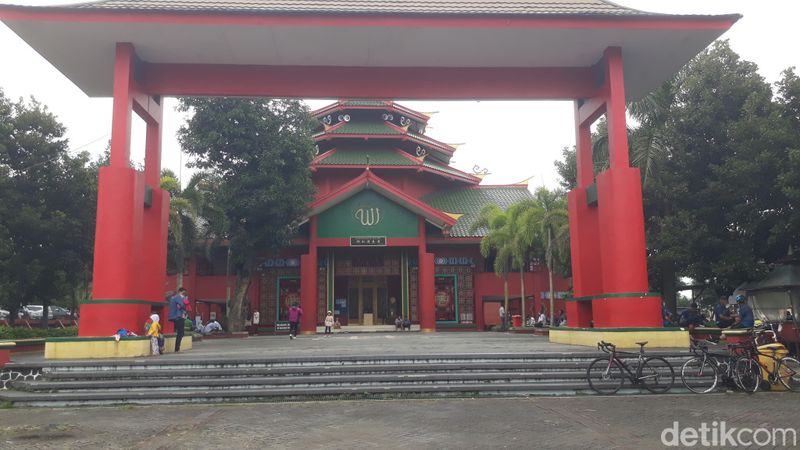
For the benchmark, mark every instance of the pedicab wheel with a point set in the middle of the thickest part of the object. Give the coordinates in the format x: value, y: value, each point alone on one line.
x: 790, y: 373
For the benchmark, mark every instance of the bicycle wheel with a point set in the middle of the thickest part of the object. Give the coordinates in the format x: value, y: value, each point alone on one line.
x: 748, y: 374
x: 789, y: 373
x: 699, y: 375
x: 657, y: 375
x: 604, y: 378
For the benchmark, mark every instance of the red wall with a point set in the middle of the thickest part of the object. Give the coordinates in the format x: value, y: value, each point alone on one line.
x: 487, y: 284
x: 214, y: 287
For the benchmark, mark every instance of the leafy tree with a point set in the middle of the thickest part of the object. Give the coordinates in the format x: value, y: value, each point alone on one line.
x: 47, y: 208
x: 789, y: 182
x: 715, y: 208
x: 259, y: 151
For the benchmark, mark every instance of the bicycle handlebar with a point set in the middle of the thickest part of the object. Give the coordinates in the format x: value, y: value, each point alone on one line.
x: 606, y: 346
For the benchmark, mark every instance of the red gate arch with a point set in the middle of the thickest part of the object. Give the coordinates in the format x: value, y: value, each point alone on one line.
x: 598, y: 55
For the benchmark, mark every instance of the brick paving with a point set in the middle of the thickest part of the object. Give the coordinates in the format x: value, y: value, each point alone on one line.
x: 569, y: 422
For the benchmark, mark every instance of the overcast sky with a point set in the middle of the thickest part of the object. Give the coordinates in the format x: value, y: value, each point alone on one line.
x: 514, y: 140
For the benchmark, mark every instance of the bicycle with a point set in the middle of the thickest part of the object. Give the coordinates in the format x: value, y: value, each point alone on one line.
x: 605, y: 375
x: 785, y: 370
x: 702, y: 373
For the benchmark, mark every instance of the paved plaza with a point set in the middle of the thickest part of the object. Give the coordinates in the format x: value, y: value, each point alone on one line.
x: 541, y: 423
x: 397, y: 343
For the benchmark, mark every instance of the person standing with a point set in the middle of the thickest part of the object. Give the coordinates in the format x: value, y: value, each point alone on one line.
x: 156, y: 338
x: 502, y: 313
x: 295, y: 313
x: 177, y: 315
x: 328, y: 323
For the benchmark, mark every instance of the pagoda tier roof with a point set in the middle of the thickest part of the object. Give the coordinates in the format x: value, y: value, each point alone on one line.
x: 387, y: 158
x: 359, y: 104
x: 368, y: 180
x: 468, y: 201
x: 383, y: 130
x: 433, y: 49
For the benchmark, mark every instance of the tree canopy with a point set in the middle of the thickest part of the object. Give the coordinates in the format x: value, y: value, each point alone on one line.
x: 258, y: 151
x: 47, y: 208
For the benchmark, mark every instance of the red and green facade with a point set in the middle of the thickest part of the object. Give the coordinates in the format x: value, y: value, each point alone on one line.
x: 388, y: 235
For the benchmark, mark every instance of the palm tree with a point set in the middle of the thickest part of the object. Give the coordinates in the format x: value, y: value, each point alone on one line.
x: 521, y: 247
x: 498, y: 239
x: 545, y: 224
x: 185, y: 208
x: 646, y: 142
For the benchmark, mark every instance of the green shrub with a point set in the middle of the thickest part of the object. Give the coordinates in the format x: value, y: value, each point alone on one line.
x: 11, y: 333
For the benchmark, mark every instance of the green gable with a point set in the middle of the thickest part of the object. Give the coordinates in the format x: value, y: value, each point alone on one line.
x: 367, y: 214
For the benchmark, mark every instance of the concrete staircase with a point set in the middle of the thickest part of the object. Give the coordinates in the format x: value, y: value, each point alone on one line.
x: 152, y: 380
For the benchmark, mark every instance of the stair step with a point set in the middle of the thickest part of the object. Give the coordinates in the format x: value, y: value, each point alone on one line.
x: 171, y: 383
x: 245, y: 395
x: 315, y: 370
x: 154, y: 363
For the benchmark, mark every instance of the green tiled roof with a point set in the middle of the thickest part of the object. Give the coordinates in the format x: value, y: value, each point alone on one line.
x: 365, y: 128
x: 470, y: 201
x: 437, y: 7
x: 428, y: 140
x: 377, y: 156
x: 442, y: 168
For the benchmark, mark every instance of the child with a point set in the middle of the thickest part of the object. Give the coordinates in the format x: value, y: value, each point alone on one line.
x: 156, y: 338
x: 328, y: 323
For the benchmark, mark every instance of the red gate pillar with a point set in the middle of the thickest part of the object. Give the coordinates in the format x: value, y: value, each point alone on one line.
x: 155, y: 220
x: 426, y: 274
x: 625, y: 301
x: 116, y: 301
x: 584, y: 234
x: 308, y: 282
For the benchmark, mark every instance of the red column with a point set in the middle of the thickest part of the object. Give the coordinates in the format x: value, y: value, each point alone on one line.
x: 427, y: 305
x: 621, y: 222
x: 153, y: 269
x: 116, y: 301
x: 308, y: 282
x: 584, y: 233
x: 615, y: 108
x: 124, y: 62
